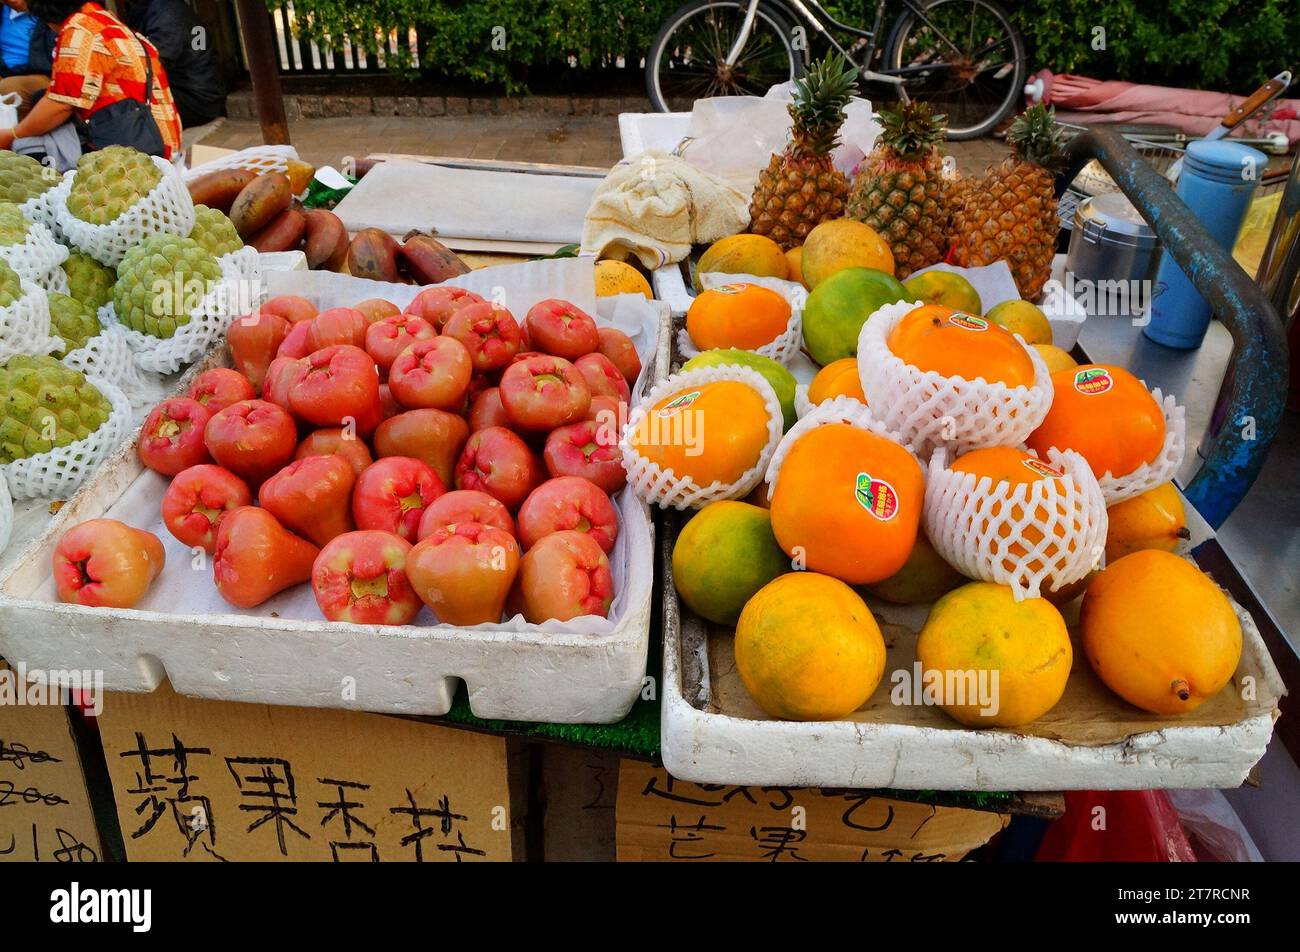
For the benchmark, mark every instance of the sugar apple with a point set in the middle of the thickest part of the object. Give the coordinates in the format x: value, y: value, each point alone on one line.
x: 110, y: 181
x: 89, y: 282
x: 161, y: 281
x: 214, y: 231
x: 72, y: 321
x: 11, y: 287
x: 22, y: 178
x: 45, y: 405
x: 14, y: 226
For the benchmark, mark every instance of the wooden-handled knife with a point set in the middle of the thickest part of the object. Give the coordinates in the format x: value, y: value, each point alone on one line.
x: 1243, y: 111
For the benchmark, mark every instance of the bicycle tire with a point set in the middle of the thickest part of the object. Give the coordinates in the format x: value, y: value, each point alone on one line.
x: 893, y: 60
x: 767, y: 11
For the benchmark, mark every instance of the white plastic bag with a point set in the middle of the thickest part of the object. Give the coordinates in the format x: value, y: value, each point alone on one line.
x: 734, y: 136
x: 9, y: 110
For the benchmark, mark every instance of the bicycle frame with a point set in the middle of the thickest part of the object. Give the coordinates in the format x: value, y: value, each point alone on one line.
x: 816, y: 16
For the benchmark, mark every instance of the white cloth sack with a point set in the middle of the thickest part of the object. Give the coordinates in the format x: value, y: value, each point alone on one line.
x: 656, y: 206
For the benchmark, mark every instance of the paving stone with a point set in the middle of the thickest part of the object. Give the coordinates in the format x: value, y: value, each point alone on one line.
x: 433, y: 106
x: 457, y: 106
x: 408, y: 106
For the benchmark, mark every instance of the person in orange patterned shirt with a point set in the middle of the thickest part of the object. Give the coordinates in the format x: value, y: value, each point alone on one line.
x: 98, y: 61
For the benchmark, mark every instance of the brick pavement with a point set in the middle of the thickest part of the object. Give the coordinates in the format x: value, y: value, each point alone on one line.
x: 562, y: 140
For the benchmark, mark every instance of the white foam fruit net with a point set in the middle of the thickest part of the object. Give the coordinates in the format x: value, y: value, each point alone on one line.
x: 234, y: 294
x: 1034, y: 537
x: 803, y: 406
x: 930, y: 410
x: 261, y: 158
x: 41, y: 207
x: 25, y: 324
x: 38, y: 257
x: 839, y: 409
x: 1161, y: 469
x: 167, y: 209
x: 663, y: 487
x: 61, y: 471
x: 786, y: 347
x: 6, y: 515
x: 108, y: 356
x: 56, y: 281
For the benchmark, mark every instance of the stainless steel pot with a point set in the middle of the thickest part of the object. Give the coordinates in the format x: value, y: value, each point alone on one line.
x: 1110, y: 241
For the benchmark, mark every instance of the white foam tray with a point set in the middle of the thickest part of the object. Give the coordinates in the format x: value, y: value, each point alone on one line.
x: 706, y: 747
x: 519, y: 672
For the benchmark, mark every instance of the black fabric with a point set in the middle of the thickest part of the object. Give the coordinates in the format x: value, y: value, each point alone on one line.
x: 194, y: 74
x: 129, y: 122
x: 40, y: 55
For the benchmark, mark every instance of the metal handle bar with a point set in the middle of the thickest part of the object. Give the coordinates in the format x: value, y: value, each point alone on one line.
x: 1255, y: 388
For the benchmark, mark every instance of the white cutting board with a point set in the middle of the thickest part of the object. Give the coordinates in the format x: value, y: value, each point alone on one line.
x: 469, y: 203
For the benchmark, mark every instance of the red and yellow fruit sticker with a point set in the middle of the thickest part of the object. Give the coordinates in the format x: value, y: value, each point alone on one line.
x: 876, y: 496
x: 679, y: 403
x: 967, y: 322
x: 1042, y: 469
x: 731, y: 288
x: 1093, y: 380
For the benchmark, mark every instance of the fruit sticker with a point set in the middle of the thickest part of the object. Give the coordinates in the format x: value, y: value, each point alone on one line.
x: 876, y: 496
x: 678, y: 404
x: 1093, y: 381
x: 731, y: 288
x: 1042, y: 469
x: 967, y: 321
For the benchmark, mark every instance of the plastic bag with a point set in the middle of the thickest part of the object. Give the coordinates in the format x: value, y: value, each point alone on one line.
x: 1117, y: 826
x: 734, y: 136
x: 1212, y: 825
x: 1253, y: 237
x: 9, y: 110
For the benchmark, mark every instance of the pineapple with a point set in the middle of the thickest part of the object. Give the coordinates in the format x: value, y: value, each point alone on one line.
x: 801, y: 188
x: 1011, y: 212
x: 901, y: 190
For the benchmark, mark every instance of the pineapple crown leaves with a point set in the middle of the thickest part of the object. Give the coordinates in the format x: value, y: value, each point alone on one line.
x: 819, y: 101
x: 911, y: 128
x: 1037, y: 138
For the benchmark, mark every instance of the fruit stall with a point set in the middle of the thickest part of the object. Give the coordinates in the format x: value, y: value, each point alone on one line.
x: 820, y: 485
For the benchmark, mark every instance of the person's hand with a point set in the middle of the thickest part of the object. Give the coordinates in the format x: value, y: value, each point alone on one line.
x: 6, y: 138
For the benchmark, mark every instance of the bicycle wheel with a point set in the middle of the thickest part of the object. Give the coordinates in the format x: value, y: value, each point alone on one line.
x: 977, y: 57
x: 688, y: 58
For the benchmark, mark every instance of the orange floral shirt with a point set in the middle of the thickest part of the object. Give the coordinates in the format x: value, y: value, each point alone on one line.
x: 97, y: 62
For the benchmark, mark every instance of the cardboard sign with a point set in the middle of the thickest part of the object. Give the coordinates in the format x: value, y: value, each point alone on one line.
x: 45, y: 813
x: 210, y: 780
x: 660, y: 818
x: 579, y: 793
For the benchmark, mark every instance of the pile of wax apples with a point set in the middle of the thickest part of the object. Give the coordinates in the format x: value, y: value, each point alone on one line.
x: 446, y: 456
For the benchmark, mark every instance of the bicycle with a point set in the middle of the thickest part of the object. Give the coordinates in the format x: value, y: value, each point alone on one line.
x: 965, y: 56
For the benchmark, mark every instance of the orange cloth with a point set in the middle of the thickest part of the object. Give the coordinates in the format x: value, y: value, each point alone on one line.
x: 97, y: 62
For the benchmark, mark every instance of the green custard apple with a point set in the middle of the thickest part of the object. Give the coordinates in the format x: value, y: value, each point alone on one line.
x: 89, y: 282
x: 22, y: 178
x: 72, y: 321
x: 11, y: 287
x: 214, y: 231
x: 161, y: 281
x: 110, y: 181
x: 43, y: 405
x: 14, y: 226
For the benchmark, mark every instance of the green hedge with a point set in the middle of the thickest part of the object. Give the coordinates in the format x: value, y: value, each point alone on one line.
x: 1205, y: 44
x: 1222, y: 44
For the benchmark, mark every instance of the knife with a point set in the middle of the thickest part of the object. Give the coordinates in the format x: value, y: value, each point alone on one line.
x: 1247, y: 108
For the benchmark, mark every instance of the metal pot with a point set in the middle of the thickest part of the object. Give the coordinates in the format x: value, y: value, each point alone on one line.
x: 1110, y: 241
